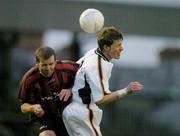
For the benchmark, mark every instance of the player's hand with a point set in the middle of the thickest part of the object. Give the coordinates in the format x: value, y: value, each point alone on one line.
x: 135, y: 86
x: 65, y: 94
x: 38, y: 110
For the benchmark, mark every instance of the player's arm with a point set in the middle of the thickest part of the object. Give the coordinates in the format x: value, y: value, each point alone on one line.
x: 27, y: 108
x: 132, y: 87
x: 113, y: 96
x: 32, y: 108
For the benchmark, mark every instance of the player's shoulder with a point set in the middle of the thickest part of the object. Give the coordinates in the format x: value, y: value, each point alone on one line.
x: 66, y: 64
x: 70, y: 62
x: 32, y: 71
x: 31, y: 75
x: 88, y: 56
x: 90, y: 60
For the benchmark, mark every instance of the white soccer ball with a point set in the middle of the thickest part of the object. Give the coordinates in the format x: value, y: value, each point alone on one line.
x: 91, y: 20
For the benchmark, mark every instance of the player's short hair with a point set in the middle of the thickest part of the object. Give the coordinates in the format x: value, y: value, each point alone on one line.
x: 107, y: 35
x: 44, y: 53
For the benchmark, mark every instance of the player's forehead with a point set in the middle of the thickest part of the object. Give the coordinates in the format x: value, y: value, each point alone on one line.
x: 51, y: 59
x: 117, y: 42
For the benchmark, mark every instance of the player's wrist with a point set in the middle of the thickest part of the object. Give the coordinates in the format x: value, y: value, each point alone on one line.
x: 123, y: 92
x: 34, y: 108
x: 129, y: 91
x: 31, y: 109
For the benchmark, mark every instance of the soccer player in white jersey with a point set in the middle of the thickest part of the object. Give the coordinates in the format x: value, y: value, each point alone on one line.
x: 82, y: 117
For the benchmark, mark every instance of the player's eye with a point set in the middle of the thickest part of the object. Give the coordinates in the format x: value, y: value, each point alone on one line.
x: 43, y: 65
x: 51, y: 64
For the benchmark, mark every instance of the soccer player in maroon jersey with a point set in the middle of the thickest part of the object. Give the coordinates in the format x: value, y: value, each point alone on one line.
x: 45, y: 91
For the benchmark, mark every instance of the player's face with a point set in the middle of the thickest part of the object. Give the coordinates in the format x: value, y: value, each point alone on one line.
x: 115, y: 49
x: 46, y: 67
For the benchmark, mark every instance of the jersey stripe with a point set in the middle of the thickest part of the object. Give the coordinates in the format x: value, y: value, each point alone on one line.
x: 91, y: 115
x: 67, y: 66
x: 101, y: 74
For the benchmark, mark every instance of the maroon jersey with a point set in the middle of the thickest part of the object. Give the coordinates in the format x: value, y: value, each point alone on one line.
x: 37, y: 89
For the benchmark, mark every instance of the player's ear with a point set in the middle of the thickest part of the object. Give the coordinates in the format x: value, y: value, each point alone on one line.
x: 106, y: 47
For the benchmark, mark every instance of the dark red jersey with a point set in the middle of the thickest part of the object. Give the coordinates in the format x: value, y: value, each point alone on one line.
x: 37, y: 89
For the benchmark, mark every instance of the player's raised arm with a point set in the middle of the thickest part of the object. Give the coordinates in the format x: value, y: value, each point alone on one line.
x: 132, y: 87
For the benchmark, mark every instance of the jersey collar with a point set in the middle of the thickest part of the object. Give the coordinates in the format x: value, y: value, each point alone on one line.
x: 99, y: 53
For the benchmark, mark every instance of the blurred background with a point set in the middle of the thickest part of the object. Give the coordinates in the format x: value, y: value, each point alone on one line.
x: 151, y: 56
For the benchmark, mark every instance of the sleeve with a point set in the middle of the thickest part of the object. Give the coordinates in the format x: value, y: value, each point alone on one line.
x: 25, y: 93
x: 22, y: 92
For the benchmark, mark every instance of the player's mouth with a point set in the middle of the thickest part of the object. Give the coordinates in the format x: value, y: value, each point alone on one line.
x: 47, y: 73
x: 119, y: 54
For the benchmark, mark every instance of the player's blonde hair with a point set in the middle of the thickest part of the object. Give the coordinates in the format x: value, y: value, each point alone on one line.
x: 107, y: 35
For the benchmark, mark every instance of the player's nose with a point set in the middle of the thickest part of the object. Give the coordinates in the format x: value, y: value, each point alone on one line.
x: 121, y: 49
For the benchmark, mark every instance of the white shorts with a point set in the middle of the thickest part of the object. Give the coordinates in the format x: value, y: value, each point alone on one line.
x: 81, y: 120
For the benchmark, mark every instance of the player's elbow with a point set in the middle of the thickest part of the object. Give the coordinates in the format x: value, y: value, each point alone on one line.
x: 108, y: 98
x: 102, y: 101
x: 99, y: 102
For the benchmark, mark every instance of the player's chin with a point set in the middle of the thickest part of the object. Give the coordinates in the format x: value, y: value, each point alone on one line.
x: 117, y: 57
x: 48, y: 74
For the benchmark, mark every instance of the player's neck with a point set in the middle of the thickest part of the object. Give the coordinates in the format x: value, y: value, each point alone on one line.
x: 107, y: 55
x: 103, y: 54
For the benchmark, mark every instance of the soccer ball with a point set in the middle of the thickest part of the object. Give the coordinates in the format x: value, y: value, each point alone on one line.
x: 91, y: 20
